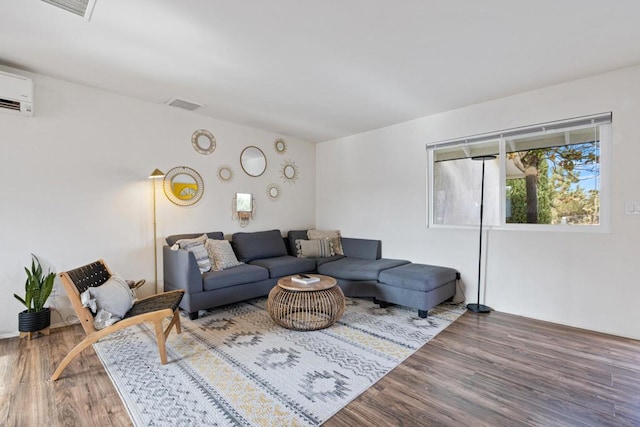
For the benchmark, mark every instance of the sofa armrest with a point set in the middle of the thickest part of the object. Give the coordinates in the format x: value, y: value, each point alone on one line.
x: 181, y: 270
x: 362, y: 248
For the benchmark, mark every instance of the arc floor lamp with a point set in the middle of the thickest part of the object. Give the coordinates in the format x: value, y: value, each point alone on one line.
x: 477, y: 307
x: 154, y: 177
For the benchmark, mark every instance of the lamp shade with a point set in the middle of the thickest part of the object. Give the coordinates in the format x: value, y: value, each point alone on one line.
x: 156, y: 174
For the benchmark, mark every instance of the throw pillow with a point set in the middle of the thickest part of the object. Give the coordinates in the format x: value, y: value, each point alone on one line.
x: 316, y: 248
x: 196, y: 246
x: 221, y: 255
x: 333, y: 235
x: 113, y: 296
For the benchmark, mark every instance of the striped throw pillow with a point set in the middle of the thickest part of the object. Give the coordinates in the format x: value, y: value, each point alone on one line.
x: 333, y: 235
x: 316, y: 248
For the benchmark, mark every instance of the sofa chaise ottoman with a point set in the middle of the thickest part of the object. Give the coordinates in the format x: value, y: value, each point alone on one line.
x: 418, y: 286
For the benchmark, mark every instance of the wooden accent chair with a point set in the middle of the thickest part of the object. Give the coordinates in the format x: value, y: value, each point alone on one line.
x: 151, y: 309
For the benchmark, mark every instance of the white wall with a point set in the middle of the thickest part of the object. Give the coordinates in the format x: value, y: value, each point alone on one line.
x: 76, y: 186
x: 374, y: 185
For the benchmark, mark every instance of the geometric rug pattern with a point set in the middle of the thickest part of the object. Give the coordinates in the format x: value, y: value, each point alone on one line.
x: 235, y: 367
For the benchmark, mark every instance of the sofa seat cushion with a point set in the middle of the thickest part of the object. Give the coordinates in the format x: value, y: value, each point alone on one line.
x: 258, y: 245
x: 285, y: 265
x: 233, y: 276
x: 350, y: 268
x: 320, y: 261
x: 418, y: 277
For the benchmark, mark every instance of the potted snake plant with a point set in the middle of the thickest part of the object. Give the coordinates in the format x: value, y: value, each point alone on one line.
x: 37, y: 289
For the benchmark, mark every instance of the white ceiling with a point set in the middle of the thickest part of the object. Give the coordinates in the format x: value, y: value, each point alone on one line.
x: 322, y: 69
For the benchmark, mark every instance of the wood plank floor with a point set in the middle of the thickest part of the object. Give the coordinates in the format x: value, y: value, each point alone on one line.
x: 483, y: 370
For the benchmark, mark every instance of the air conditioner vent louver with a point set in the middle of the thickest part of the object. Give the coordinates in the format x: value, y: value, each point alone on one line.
x: 181, y: 103
x: 79, y: 7
x: 9, y: 104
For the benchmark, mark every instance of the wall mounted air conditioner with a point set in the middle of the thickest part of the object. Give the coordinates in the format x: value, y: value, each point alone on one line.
x: 16, y: 94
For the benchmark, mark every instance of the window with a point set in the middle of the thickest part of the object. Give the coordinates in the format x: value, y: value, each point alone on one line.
x: 543, y: 177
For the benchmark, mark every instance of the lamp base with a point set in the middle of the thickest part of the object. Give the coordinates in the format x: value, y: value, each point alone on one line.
x: 478, y: 308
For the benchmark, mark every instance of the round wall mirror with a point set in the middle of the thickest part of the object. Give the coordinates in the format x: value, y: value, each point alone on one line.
x: 273, y: 192
x: 203, y: 141
x: 225, y: 173
x: 253, y: 161
x: 280, y: 146
x: 289, y: 171
x: 183, y: 186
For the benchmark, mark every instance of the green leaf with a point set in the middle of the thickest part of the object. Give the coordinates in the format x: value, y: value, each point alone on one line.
x: 45, y: 291
x: 21, y: 300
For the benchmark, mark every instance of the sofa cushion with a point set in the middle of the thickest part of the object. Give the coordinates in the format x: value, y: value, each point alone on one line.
x: 358, y: 269
x: 285, y: 265
x: 171, y: 240
x: 294, y: 235
x: 418, y: 277
x: 320, y: 261
x: 261, y: 244
x: 233, y: 276
x: 362, y: 248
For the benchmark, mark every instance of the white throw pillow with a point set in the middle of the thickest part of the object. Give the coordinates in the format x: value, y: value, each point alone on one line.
x: 113, y: 296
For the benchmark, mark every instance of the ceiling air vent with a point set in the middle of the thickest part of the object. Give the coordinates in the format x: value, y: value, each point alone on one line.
x: 82, y: 8
x: 185, y: 105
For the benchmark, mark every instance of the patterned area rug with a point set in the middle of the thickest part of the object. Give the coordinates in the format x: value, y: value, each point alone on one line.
x: 235, y: 367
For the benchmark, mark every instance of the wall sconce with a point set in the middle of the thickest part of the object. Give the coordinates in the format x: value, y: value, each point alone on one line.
x: 242, y: 208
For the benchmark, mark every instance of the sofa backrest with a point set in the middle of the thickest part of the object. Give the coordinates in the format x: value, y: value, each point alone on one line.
x: 258, y: 245
x: 362, y: 248
x: 215, y: 235
x: 353, y: 247
x: 294, y: 235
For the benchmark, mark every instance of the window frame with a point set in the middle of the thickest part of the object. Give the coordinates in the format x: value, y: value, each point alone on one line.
x: 603, y: 121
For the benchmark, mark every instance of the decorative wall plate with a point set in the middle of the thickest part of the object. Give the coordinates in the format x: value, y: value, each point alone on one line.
x: 203, y: 141
x: 183, y: 186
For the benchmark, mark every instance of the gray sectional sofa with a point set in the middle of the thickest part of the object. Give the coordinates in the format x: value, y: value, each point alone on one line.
x: 267, y: 256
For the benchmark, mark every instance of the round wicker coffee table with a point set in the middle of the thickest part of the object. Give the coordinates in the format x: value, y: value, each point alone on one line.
x: 304, y: 307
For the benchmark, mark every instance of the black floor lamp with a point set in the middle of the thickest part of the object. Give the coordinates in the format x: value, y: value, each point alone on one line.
x: 477, y: 307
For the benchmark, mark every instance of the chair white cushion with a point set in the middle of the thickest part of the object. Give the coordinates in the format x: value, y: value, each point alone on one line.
x: 113, y: 296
